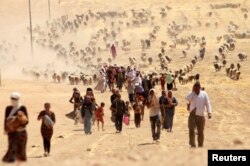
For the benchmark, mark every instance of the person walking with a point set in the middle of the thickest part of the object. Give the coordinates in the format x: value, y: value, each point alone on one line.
x: 171, y: 103
x: 146, y: 84
x: 76, y: 100
x: 154, y: 108
x: 163, y: 82
x: 101, y: 85
x: 137, y: 107
x: 86, y: 112
x: 140, y: 95
x: 162, y: 108
x: 120, y: 79
x: 113, y: 97
x: 198, y: 103
x: 15, y: 122
x: 48, y: 120
x: 137, y: 80
x: 119, y: 108
x: 170, y: 81
x: 99, y: 116
x: 131, y: 91
x: 128, y: 109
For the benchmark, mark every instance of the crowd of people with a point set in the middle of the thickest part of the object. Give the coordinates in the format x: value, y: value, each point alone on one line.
x: 141, y: 94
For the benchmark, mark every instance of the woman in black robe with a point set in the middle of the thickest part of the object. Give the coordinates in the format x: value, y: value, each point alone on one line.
x: 16, y: 131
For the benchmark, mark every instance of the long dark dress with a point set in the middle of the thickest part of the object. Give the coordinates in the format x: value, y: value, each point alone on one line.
x: 17, y: 140
x: 46, y: 132
x: 120, y: 80
x: 169, y: 112
x: 87, y: 112
x: 77, y: 101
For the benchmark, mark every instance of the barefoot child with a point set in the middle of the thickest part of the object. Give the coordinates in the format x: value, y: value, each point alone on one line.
x: 100, y: 115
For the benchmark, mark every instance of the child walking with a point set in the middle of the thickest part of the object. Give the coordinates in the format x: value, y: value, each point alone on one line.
x: 128, y: 108
x: 100, y: 115
x: 137, y: 110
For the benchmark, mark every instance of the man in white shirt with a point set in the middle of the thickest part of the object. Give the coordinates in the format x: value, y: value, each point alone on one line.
x: 138, y: 79
x: 199, y: 102
x: 131, y: 74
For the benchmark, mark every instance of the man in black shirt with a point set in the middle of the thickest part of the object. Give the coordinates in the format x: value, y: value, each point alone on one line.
x: 112, y: 99
x: 113, y: 96
x: 119, y: 110
x: 161, y: 102
x: 146, y: 84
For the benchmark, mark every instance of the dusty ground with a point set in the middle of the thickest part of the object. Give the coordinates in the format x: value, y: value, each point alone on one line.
x: 230, y: 122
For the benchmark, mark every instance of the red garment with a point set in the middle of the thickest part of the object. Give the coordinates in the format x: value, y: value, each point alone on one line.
x: 140, y: 97
x: 99, y: 114
x: 113, y: 51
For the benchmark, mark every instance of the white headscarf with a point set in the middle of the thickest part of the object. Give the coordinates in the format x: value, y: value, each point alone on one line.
x: 15, y: 99
x: 15, y: 95
x: 15, y: 103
